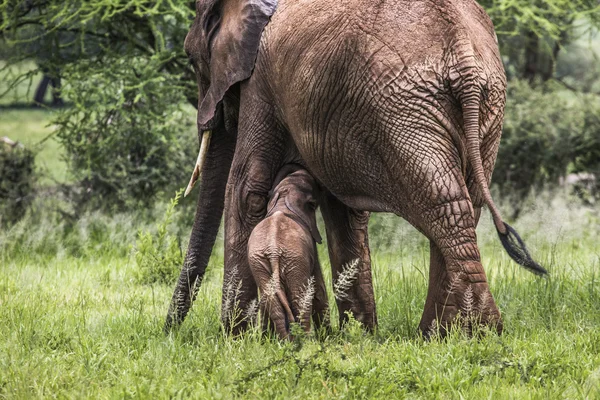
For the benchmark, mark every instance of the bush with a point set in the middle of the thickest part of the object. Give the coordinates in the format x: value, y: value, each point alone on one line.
x: 158, y: 256
x: 588, y: 144
x: 548, y: 133
x: 129, y: 135
x: 17, y: 179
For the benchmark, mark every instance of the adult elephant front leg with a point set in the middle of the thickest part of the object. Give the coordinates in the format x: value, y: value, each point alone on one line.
x: 259, y: 155
x: 206, y: 225
x: 348, y: 244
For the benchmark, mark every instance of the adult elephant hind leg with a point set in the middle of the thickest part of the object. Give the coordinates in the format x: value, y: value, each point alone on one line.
x: 348, y: 245
x: 458, y: 284
x: 454, y: 292
x: 209, y: 211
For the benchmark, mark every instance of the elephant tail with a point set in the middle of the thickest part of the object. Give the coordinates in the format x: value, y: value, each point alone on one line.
x: 512, y: 242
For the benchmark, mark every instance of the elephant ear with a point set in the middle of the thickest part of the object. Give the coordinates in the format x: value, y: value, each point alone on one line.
x: 310, y: 222
x: 272, y: 203
x: 283, y: 173
x: 233, y: 47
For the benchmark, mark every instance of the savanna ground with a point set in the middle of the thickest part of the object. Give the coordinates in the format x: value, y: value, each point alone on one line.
x: 77, y: 321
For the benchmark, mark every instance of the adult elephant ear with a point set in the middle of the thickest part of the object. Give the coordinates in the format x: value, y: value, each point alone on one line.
x: 234, y: 29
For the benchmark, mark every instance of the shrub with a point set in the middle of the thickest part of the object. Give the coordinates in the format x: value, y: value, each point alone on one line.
x: 17, y: 179
x: 130, y: 131
x: 158, y: 256
x: 126, y: 142
x: 548, y: 133
x: 588, y: 144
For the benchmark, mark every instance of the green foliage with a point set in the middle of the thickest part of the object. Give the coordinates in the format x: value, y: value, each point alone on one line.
x: 531, y: 33
x: 158, y: 256
x: 546, y: 18
x: 587, y: 157
x: 578, y: 64
x: 31, y: 127
x: 547, y: 134
x: 129, y: 129
x: 60, y: 33
x: 127, y: 135
x: 17, y: 181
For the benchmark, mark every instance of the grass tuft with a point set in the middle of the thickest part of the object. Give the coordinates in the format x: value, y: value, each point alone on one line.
x: 158, y: 256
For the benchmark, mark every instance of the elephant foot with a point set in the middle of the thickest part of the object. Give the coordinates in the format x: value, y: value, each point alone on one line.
x: 464, y: 301
x: 358, y: 300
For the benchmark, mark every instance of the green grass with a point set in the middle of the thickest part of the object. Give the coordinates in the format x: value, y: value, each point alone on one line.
x: 76, y: 322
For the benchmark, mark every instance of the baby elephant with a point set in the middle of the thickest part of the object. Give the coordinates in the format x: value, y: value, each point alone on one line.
x: 282, y: 252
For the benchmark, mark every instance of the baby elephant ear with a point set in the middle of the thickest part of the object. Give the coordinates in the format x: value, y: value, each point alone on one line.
x: 309, y: 221
x: 273, y: 202
x: 233, y: 47
x: 314, y: 231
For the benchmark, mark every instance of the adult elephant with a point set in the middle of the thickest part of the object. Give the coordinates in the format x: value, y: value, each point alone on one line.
x: 393, y: 105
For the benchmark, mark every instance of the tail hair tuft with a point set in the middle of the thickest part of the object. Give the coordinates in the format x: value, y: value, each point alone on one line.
x: 516, y: 249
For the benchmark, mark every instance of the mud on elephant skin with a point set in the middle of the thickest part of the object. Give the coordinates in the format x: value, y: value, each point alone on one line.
x: 283, y: 258
x: 392, y: 105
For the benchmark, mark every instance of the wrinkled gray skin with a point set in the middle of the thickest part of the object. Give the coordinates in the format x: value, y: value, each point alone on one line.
x: 282, y: 253
x: 393, y: 105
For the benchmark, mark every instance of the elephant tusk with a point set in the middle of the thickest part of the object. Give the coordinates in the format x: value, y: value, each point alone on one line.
x: 200, y: 161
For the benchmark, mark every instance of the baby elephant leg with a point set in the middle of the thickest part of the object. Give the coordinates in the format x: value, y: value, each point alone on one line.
x: 301, y: 288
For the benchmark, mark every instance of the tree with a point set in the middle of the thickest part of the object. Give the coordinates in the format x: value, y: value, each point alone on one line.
x: 531, y: 33
x: 127, y: 133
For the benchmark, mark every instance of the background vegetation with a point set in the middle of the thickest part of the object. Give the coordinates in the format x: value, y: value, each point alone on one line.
x: 90, y: 245
x: 127, y: 130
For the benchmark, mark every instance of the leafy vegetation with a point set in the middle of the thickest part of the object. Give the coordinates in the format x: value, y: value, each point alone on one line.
x: 159, y: 256
x: 33, y: 129
x: 129, y: 127
x: 532, y: 34
x: 125, y: 142
x: 547, y: 134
